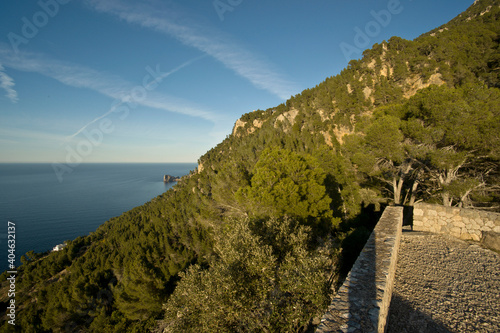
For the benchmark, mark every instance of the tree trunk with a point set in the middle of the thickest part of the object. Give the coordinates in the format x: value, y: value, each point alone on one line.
x: 446, y: 178
x: 413, y: 196
x: 447, y: 201
x: 397, y: 185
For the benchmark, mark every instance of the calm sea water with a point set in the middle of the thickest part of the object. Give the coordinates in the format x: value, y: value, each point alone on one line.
x: 47, y: 212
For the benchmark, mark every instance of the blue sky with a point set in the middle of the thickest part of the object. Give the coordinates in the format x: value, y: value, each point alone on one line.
x: 164, y: 81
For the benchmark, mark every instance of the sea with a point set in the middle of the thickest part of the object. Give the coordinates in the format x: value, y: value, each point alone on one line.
x: 46, y: 210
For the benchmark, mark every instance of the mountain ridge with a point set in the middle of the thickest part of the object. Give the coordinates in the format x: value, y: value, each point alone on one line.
x: 383, y: 66
x: 296, y: 188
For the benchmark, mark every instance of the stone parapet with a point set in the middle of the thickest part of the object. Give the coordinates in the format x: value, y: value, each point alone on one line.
x: 466, y: 224
x: 362, y: 303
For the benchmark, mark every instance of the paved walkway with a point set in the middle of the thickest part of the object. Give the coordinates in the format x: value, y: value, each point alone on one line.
x: 444, y: 285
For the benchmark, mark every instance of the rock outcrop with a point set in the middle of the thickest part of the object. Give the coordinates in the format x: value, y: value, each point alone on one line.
x: 170, y: 179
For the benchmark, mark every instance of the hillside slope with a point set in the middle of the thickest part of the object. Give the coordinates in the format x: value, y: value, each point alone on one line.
x: 287, y: 196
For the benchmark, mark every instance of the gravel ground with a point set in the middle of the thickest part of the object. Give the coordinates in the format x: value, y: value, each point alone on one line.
x: 444, y: 285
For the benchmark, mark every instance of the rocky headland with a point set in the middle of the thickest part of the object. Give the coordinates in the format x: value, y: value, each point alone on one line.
x: 170, y: 179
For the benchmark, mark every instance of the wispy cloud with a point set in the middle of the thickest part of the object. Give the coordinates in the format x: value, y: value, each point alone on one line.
x: 212, y: 42
x: 103, y: 83
x: 157, y: 101
x: 7, y: 84
x: 16, y: 135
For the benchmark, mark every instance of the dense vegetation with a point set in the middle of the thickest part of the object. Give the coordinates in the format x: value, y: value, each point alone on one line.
x: 255, y: 239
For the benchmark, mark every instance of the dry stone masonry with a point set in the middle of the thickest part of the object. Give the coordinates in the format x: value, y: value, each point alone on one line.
x: 443, y: 284
x: 362, y: 303
x: 465, y: 224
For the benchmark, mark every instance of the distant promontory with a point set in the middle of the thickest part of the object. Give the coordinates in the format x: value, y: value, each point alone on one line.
x: 170, y: 179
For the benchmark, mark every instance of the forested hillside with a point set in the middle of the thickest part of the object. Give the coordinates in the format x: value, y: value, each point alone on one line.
x: 256, y: 238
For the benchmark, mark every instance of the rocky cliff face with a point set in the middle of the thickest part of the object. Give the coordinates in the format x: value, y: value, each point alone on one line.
x: 170, y: 179
x: 389, y: 73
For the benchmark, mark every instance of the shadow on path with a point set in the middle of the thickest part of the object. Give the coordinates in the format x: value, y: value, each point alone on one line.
x: 404, y: 318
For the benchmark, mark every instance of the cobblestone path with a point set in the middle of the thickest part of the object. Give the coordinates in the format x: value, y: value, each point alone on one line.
x: 444, y: 285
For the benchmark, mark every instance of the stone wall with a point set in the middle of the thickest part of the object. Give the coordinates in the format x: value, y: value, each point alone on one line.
x: 466, y: 224
x: 362, y: 303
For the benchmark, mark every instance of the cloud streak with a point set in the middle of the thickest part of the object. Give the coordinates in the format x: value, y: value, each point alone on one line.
x: 157, y: 102
x: 106, y: 84
x: 7, y: 84
x: 208, y: 40
x: 17, y: 135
